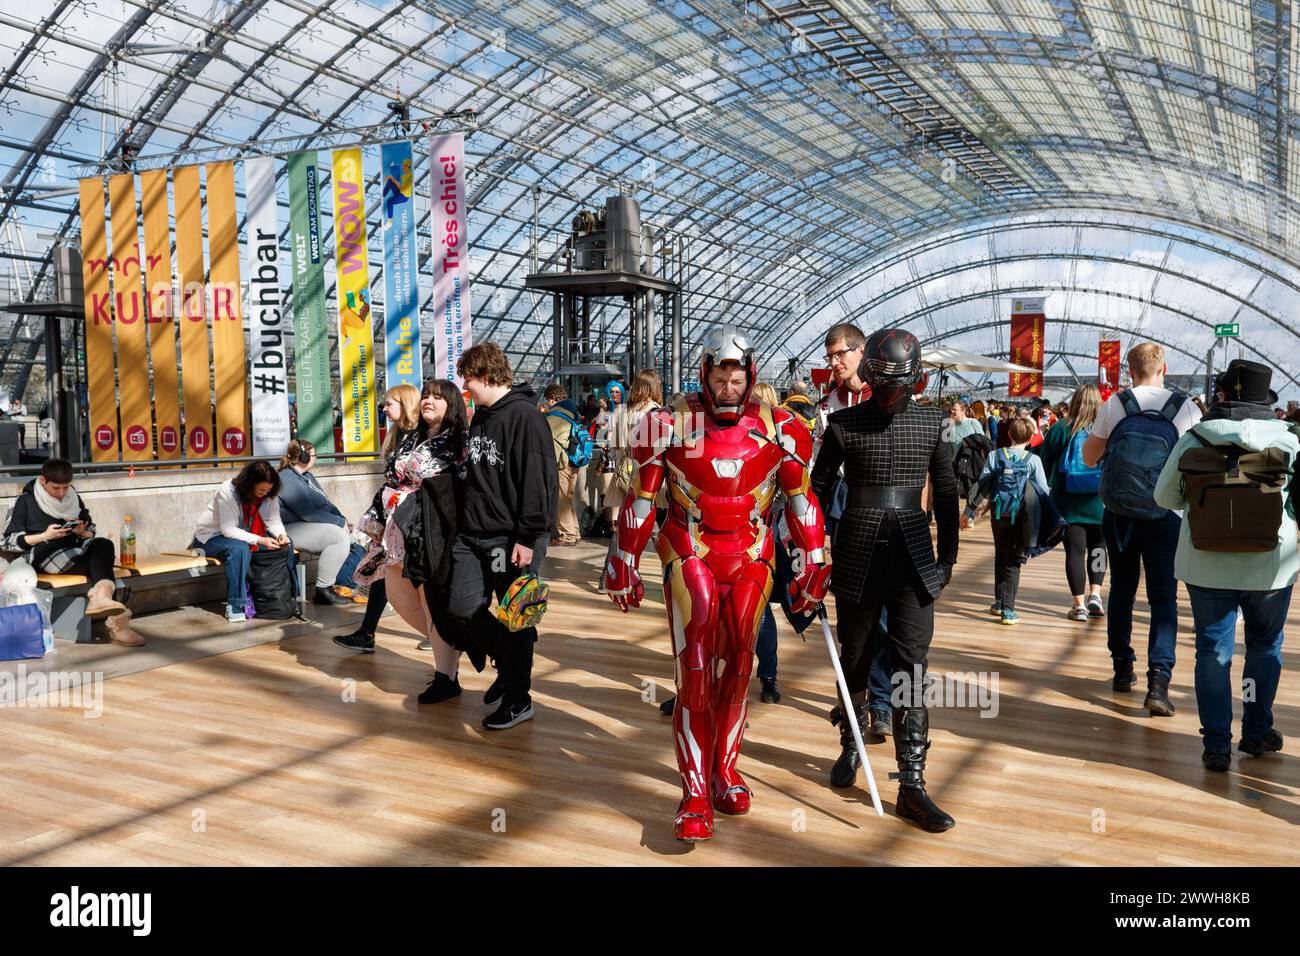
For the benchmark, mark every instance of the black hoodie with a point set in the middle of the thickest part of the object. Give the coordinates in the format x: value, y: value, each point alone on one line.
x: 511, y: 482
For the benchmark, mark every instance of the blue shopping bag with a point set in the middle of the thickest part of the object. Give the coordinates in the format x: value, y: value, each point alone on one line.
x: 22, y: 633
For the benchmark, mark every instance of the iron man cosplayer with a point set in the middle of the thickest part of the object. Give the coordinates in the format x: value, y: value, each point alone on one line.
x: 724, y: 455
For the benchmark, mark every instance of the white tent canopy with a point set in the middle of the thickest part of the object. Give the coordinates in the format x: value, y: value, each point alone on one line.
x: 959, y: 361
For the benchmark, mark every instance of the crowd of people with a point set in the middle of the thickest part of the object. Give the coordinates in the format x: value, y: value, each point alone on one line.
x: 741, y: 489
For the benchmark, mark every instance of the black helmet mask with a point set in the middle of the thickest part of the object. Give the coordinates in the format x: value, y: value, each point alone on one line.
x: 891, y: 367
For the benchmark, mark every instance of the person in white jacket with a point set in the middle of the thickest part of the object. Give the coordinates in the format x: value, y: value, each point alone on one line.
x: 243, y: 516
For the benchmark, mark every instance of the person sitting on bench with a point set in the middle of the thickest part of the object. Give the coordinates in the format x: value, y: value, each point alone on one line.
x: 52, y: 528
x: 314, y: 524
x: 243, y: 516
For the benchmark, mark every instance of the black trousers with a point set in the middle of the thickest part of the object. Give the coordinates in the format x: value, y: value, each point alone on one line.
x: 1008, y: 558
x: 480, y: 568
x: 96, y: 562
x: 377, y: 600
x: 1085, y: 557
x: 894, y: 586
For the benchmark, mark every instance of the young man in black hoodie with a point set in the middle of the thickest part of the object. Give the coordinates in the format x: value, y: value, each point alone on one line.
x: 505, y: 521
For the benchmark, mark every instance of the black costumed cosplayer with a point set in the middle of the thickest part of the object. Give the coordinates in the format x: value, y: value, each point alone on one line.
x: 882, y: 551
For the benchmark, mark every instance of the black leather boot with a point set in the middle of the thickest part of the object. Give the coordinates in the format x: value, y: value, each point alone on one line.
x: 1158, y: 702
x: 911, y: 741
x: 845, y: 771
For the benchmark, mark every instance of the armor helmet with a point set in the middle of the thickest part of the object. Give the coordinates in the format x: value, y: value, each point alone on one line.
x: 891, y: 366
x: 727, y: 344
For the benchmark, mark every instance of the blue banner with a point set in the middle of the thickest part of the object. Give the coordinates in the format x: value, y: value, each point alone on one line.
x: 401, y: 288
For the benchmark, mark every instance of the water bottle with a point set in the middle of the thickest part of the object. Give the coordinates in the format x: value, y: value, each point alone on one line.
x: 126, y: 552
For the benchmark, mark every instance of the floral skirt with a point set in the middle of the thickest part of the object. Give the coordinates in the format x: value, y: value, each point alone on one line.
x: 387, y: 546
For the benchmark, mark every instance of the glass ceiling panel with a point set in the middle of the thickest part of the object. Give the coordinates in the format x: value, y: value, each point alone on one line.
x: 797, y: 141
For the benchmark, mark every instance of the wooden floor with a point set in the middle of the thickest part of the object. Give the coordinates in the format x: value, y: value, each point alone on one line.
x: 298, y: 752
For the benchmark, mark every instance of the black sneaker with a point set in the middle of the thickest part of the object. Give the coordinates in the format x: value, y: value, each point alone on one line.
x: 881, y: 726
x: 666, y: 708
x: 440, y: 688
x: 357, y: 641
x: 493, y: 693
x: 1124, y: 681
x: 1218, y: 762
x: 328, y: 596
x: 507, y: 715
x: 771, y: 694
x: 1271, y: 742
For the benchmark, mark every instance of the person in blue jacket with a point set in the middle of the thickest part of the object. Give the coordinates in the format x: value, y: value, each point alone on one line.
x: 314, y: 524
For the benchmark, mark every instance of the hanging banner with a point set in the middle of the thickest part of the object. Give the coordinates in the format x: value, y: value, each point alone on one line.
x: 129, y: 322
x: 356, y: 338
x: 452, y: 332
x: 162, y: 323
x: 1108, y: 367
x: 192, y: 315
x: 311, y: 343
x: 228, y: 355
x: 100, y: 389
x: 401, y: 289
x: 1027, y: 321
x: 268, y: 366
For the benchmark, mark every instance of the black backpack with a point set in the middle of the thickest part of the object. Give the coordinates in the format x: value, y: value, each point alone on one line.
x: 273, y: 584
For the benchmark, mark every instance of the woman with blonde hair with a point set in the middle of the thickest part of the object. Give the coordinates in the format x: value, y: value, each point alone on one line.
x: 1075, y: 493
x: 402, y: 410
x: 766, y: 394
x: 647, y: 392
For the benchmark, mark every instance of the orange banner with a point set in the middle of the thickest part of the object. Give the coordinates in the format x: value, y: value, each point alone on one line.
x: 1027, y: 321
x: 162, y: 320
x: 100, y: 387
x: 1107, y: 367
x: 228, y: 356
x: 196, y: 367
x: 129, y: 322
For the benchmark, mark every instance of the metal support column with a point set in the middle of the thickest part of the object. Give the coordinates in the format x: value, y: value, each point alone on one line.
x: 677, y: 343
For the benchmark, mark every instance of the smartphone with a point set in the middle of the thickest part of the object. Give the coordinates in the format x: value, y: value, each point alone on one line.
x: 69, y: 524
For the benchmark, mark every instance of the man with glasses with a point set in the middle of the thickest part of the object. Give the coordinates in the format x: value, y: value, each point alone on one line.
x: 844, y: 345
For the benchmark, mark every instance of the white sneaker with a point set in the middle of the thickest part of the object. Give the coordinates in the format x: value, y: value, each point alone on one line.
x: 235, y: 617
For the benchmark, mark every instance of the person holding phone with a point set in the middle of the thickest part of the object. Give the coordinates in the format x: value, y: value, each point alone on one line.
x: 50, y: 525
x: 243, y: 516
x: 314, y: 524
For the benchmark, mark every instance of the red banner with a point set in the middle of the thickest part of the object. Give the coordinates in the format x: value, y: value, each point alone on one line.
x: 1027, y: 321
x: 1108, y: 367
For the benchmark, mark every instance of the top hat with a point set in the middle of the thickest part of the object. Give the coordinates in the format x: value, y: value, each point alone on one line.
x: 1246, y: 381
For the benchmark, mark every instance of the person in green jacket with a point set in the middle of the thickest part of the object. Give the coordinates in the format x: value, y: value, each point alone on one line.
x: 1085, y: 551
x: 1259, y: 583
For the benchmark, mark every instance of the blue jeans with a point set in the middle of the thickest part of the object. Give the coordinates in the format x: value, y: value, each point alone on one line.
x: 234, y: 555
x: 344, y: 578
x: 1214, y: 612
x: 765, y: 648
x: 1134, y: 546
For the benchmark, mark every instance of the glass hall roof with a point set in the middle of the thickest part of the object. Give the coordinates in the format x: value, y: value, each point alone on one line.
x: 1088, y: 149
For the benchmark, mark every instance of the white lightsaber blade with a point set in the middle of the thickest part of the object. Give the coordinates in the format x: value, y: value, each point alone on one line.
x: 849, y: 713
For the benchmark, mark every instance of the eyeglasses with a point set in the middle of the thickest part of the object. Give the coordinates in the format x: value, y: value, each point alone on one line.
x: 833, y: 357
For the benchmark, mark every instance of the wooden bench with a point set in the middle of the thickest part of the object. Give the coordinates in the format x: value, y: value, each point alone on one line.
x: 156, y: 582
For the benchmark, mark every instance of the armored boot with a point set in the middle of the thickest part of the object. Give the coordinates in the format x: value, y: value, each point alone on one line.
x: 845, y: 771
x: 911, y: 741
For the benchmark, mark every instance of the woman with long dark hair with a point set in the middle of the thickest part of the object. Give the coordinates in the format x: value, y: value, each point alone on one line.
x: 242, y: 517
x: 437, y: 444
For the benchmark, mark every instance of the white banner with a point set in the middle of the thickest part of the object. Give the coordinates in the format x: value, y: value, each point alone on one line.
x: 451, y: 301
x: 268, y: 372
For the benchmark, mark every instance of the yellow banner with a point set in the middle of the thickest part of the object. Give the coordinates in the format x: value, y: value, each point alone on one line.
x: 162, y: 319
x: 356, y: 336
x: 100, y: 387
x: 228, y: 361
x: 191, y: 313
x: 129, y: 322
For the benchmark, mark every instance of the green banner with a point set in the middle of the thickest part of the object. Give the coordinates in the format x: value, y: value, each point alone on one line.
x: 310, y: 328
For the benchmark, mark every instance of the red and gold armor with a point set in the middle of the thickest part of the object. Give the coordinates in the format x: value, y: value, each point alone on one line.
x: 723, y: 466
